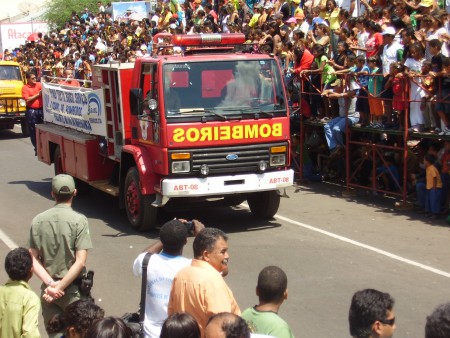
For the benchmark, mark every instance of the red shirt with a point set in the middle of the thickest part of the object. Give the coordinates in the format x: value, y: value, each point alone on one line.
x: 31, y: 90
x: 305, y: 62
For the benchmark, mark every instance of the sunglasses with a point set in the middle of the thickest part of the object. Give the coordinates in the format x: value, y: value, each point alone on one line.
x: 389, y: 322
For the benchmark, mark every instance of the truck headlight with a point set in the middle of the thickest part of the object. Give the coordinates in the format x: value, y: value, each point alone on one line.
x: 277, y: 160
x: 278, y: 156
x: 181, y: 167
x: 22, y: 103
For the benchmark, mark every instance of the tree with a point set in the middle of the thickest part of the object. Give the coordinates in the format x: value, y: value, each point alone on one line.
x: 59, y: 11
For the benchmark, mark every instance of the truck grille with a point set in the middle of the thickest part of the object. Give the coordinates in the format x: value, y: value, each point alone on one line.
x: 10, y: 106
x: 246, y: 158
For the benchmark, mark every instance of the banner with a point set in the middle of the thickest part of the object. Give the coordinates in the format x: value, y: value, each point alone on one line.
x: 126, y: 11
x: 15, y: 34
x: 80, y: 109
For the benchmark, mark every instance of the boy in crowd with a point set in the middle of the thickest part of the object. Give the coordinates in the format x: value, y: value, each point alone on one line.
x: 19, y: 305
x: 429, y: 199
x: 272, y: 292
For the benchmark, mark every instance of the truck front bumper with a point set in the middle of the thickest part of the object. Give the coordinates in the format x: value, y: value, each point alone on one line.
x: 223, y: 185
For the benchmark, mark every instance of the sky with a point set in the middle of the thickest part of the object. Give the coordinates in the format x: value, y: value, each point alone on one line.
x: 10, y: 9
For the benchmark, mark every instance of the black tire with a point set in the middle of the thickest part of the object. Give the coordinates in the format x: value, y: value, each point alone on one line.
x: 265, y: 204
x: 141, y: 214
x: 57, y: 160
x: 83, y: 188
x: 234, y: 201
x: 24, y: 127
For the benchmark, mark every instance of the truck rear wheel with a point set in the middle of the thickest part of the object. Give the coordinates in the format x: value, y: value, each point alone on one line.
x: 141, y: 214
x: 24, y: 128
x: 57, y: 160
x: 264, y: 205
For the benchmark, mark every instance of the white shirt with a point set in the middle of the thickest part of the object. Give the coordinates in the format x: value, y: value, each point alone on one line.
x: 161, y: 270
x: 390, y: 55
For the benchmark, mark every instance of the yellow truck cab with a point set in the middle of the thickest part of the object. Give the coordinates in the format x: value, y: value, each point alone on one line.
x: 12, y: 105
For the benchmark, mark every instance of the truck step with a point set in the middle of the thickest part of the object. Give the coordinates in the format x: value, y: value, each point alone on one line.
x: 105, y: 186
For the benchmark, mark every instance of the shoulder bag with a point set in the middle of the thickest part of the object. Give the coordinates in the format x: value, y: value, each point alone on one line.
x: 135, y: 320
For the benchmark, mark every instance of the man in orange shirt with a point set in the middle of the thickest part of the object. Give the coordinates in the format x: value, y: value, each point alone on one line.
x: 199, y: 289
x: 69, y: 80
x: 32, y: 94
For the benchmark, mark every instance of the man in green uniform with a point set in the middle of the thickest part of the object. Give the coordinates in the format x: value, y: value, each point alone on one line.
x: 59, y: 240
x: 19, y: 305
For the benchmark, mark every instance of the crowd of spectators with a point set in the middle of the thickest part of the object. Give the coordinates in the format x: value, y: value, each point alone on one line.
x: 394, y: 50
x: 391, y: 56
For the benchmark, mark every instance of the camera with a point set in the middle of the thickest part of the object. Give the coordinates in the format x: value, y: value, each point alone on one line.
x: 189, y: 226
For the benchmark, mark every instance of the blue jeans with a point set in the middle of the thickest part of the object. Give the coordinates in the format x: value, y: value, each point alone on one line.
x: 433, y: 200
x: 335, y: 129
x: 34, y: 116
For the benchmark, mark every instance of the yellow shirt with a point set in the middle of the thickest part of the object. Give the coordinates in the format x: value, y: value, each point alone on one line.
x: 19, y: 310
x: 333, y: 18
x: 200, y: 290
x: 432, y: 173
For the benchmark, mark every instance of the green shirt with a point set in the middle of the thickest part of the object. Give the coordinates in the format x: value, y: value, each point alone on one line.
x: 328, y: 73
x: 57, y: 234
x: 19, y: 310
x: 267, y: 322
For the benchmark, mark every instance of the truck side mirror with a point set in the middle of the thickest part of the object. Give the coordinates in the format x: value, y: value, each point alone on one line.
x: 136, y: 101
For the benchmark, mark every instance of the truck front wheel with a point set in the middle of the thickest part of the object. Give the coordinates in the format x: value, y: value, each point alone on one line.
x: 140, y: 212
x: 264, y: 205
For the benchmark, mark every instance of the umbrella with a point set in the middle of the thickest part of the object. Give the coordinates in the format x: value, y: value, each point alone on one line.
x: 33, y: 37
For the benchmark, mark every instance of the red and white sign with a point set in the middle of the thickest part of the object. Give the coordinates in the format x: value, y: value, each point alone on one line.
x: 13, y: 35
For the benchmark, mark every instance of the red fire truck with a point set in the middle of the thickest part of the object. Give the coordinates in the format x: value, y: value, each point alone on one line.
x: 201, y: 125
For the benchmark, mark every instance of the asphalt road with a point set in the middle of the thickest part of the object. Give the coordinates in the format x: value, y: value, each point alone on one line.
x: 328, y: 245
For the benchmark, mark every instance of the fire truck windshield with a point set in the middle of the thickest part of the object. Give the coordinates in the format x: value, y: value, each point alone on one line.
x: 223, y: 89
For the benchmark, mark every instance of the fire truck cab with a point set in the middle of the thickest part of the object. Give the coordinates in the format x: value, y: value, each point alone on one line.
x: 205, y: 126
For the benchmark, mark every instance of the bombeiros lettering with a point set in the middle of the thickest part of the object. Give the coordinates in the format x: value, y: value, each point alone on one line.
x: 223, y: 133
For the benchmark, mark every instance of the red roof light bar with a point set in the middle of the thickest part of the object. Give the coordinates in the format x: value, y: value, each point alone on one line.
x: 208, y: 39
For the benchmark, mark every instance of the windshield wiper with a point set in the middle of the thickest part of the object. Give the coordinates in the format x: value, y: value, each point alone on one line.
x: 203, y: 111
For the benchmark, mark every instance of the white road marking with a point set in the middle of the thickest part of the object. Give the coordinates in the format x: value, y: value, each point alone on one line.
x: 361, y: 245
x: 365, y: 246
x: 8, y: 241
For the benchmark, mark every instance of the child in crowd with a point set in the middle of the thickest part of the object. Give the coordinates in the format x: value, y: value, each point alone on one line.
x: 396, y: 81
x: 361, y: 71
x: 443, y: 95
x: 433, y: 186
x: 375, y: 86
x: 388, y: 177
x: 327, y: 73
x: 413, y: 67
x: 272, y: 292
x: 445, y: 177
x: 427, y: 84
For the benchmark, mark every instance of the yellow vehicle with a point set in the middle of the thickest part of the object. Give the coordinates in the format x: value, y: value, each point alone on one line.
x: 12, y: 105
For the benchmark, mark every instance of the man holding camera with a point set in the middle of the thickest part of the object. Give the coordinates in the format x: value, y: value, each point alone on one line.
x: 165, y: 262
x: 59, y: 241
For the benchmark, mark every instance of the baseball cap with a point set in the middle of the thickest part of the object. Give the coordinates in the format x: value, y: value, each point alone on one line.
x: 63, y: 184
x: 388, y: 31
x: 291, y: 20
